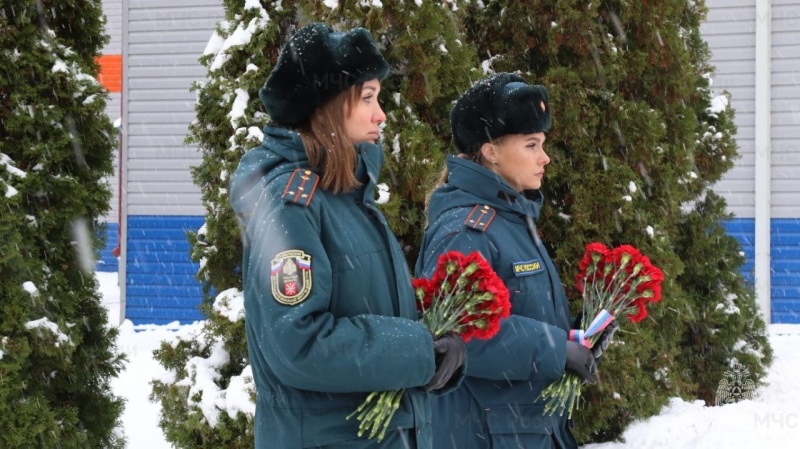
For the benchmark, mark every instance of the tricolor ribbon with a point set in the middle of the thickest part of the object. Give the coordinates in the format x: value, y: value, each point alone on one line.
x: 603, y: 319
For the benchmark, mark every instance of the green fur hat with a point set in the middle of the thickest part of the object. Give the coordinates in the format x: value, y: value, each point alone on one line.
x: 316, y: 64
x: 499, y: 105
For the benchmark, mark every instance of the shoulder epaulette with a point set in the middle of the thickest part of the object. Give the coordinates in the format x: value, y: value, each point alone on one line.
x: 480, y: 218
x: 301, y: 187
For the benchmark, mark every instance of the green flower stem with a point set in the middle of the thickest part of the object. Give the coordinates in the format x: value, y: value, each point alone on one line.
x: 562, y: 395
x: 376, y: 412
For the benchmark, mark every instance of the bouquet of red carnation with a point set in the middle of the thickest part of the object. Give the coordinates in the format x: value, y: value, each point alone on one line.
x: 463, y: 297
x: 614, y: 282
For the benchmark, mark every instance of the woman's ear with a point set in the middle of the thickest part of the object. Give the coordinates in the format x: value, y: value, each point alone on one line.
x: 489, y: 152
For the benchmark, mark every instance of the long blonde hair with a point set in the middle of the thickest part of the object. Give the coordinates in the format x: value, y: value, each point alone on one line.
x: 327, y: 145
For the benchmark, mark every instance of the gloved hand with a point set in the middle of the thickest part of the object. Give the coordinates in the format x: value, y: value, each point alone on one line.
x: 576, y: 324
x: 450, y: 351
x: 581, y: 360
x: 604, y: 339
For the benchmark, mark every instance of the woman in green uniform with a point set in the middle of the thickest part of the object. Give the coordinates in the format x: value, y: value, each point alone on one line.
x: 330, y: 312
x: 488, y: 201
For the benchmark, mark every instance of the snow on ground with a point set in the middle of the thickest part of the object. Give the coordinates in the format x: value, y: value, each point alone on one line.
x: 770, y: 420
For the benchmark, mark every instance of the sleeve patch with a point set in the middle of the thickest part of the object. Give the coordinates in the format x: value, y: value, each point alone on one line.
x: 290, y: 276
x: 301, y: 187
x: 480, y: 218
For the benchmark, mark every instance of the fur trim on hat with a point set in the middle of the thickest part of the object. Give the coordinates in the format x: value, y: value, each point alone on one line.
x: 496, y: 106
x: 316, y: 64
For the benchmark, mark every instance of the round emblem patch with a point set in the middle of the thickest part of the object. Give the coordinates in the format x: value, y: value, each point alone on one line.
x: 290, y: 277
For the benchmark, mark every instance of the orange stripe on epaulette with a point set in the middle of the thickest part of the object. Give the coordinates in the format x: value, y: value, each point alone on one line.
x: 480, y: 218
x: 301, y: 187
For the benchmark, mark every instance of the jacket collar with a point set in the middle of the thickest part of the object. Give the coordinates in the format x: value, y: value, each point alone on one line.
x: 483, y: 183
x: 287, y: 144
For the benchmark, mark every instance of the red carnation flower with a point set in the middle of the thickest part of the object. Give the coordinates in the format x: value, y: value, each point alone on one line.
x: 464, y: 296
x: 613, y: 282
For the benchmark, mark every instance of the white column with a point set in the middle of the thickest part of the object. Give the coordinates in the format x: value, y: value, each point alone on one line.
x: 763, y: 176
x: 123, y: 169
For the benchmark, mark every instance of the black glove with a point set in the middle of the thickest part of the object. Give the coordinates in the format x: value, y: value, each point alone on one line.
x: 604, y: 339
x: 450, y: 352
x: 581, y: 360
x: 576, y: 324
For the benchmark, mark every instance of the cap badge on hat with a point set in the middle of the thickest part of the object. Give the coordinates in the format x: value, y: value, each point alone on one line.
x: 541, y: 105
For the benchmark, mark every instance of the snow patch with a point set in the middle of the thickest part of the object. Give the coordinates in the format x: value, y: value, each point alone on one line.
x: 718, y: 105
x: 241, y: 36
x: 215, y: 42
x: 45, y: 324
x: 11, y: 192
x: 238, y: 107
x: 396, y: 147
x: 202, y: 381
x: 254, y: 133
x: 9, y: 164
x: 230, y: 304
x: 60, y: 66
x: 30, y: 287
x: 486, y: 66
x: 728, y: 307
x: 383, y: 194
x: 239, y: 395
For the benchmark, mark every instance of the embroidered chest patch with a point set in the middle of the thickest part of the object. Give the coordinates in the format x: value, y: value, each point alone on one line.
x: 528, y: 268
x: 290, y: 277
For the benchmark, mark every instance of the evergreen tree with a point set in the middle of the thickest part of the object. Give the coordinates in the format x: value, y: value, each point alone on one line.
x: 635, y: 142
x: 430, y: 67
x: 636, y: 145
x: 57, y: 353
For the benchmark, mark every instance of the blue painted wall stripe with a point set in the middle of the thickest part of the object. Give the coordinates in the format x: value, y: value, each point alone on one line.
x: 161, y: 285
x: 785, y: 263
x: 160, y: 279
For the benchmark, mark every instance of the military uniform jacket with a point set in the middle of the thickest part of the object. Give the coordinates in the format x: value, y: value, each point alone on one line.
x: 330, y: 312
x: 496, y: 405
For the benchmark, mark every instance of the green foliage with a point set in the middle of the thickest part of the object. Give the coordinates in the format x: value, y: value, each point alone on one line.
x: 725, y: 328
x: 56, y: 149
x: 634, y: 148
x: 233, y: 74
x: 633, y: 145
x: 430, y: 67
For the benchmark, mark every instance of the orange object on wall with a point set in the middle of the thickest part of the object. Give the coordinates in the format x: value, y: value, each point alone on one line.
x: 110, y: 75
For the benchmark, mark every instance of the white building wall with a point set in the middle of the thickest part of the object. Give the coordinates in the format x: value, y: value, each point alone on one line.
x: 730, y: 33
x: 164, y: 43
x: 112, y: 9
x: 785, y: 109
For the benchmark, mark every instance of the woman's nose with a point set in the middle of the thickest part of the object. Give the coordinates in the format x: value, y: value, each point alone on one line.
x: 379, y: 116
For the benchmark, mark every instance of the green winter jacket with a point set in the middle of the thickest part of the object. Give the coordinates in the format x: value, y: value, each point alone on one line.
x: 330, y: 312
x: 496, y: 405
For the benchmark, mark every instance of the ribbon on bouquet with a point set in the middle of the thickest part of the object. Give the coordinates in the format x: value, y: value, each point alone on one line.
x: 603, y: 319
